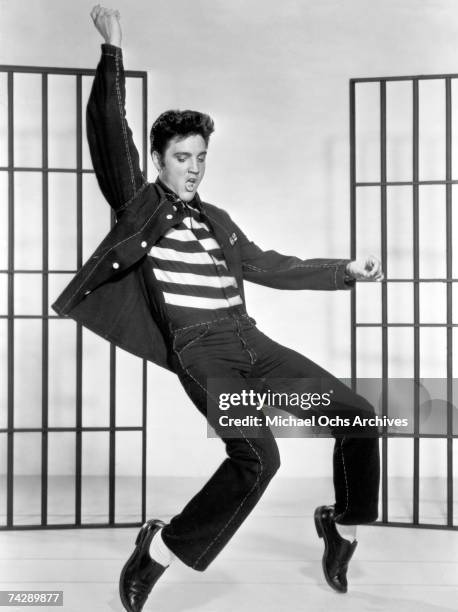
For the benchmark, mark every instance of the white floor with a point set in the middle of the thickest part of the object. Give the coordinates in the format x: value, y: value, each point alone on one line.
x: 272, y: 564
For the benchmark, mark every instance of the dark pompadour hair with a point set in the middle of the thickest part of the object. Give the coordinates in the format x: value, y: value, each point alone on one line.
x: 173, y: 123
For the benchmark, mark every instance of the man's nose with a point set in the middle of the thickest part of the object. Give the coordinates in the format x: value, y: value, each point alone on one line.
x: 193, y: 166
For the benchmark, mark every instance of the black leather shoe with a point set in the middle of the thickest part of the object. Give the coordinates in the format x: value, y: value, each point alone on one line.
x: 140, y: 573
x: 337, y: 550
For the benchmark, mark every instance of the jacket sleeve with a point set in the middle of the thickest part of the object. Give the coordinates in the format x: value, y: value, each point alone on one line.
x: 114, y: 155
x: 273, y: 269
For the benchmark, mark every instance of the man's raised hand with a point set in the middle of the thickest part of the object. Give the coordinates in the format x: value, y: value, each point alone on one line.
x: 107, y: 23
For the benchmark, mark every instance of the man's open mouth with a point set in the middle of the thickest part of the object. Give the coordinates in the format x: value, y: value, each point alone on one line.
x: 190, y: 184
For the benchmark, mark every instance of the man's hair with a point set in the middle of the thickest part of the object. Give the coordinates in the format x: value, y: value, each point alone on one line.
x: 173, y: 123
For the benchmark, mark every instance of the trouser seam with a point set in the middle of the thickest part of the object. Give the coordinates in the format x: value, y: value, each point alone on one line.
x: 255, y: 485
x: 251, y: 352
x: 347, y: 493
x: 347, y: 488
x: 207, y: 322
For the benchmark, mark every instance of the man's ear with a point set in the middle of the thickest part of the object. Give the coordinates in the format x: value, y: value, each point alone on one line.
x: 157, y: 161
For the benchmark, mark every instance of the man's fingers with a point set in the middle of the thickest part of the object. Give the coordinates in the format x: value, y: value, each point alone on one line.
x: 373, y: 267
x: 96, y: 11
x: 372, y: 262
x: 100, y: 12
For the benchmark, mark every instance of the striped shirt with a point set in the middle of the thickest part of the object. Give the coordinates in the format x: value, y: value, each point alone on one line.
x: 186, y: 275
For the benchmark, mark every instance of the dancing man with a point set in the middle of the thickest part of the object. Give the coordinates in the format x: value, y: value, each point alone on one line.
x: 166, y: 284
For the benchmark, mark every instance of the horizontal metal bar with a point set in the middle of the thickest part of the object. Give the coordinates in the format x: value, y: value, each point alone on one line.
x: 68, y: 429
x: 49, y: 527
x: 38, y: 271
x: 419, y: 280
x: 417, y: 525
x: 385, y: 280
x: 82, y: 429
x: 405, y: 183
x: 31, y: 317
x: 139, y: 74
x: 48, y: 170
x: 417, y: 77
x: 445, y: 325
x: 416, y: 325
x: 444, y: 436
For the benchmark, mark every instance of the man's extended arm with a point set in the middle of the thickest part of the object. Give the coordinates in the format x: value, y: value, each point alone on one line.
x: 273, y: 269
x: 279, y: 271
x: 114, y: 155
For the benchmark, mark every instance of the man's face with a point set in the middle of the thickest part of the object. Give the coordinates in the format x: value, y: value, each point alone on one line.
x: 183, y: 165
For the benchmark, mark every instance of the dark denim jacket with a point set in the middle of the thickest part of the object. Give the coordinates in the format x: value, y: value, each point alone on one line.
x: 107, y: 295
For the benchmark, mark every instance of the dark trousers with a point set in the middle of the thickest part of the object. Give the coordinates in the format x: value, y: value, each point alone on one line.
x: 235, y: 349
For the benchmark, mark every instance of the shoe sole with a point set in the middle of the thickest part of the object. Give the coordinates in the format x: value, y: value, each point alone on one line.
x: 320, y: 532
x: 140, y: 536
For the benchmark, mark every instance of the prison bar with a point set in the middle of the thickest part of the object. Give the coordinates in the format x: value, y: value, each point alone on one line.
x: 353, y: 312
x: 10, y: 366
x: 45, y: 304
x: 416, y: 300
x: 10, y: 430
x: 78, y: 329
x: 145, y: 363
x: 384, y: 255
x: 449, y: 272
x: 415, y: 184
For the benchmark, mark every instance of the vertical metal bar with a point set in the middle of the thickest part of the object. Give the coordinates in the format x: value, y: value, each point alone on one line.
x: 79, y: 331
x: 112, y: 447
x: 144, y: 413
x: 416, y: 314
x: 145, y: 367
x: 353, y: 227
x: 44, y: 308
x: 449, y: 246
x: 383, y: 228
x: 145, y: 123
x: 10, y: 366
x: 112, y: 437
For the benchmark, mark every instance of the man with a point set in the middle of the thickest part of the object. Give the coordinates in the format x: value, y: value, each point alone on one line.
x: 167, y: 284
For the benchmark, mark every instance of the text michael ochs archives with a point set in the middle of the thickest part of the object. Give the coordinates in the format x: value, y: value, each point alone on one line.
x: 306, y: 401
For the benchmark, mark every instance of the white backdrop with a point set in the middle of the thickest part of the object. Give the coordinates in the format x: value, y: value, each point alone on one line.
x: 275, y: 78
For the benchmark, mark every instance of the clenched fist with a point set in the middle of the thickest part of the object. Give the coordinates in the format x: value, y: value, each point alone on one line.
x: 107, y: 23
x: 369, y: 269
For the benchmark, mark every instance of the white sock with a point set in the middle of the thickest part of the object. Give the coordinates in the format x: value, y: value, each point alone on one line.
x: 348, y: 532
x: 159, y: 552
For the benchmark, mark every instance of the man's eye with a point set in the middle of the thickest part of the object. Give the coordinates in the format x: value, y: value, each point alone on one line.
x: 201, y: 159
x: 181, y: 159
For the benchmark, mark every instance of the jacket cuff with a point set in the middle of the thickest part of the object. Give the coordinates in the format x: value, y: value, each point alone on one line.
x: 342, y: 279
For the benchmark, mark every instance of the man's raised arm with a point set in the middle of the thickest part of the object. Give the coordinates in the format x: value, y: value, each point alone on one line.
x: 114, y: 155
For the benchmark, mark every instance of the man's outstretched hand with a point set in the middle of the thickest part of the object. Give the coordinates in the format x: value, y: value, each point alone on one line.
x: 107, y: 23
x: 369, y: 269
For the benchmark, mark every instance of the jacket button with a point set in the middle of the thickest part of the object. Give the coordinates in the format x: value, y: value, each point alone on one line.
x: 169, y: 217
x: 87, y: 292
x: 115, y: 265
x: 143, y: 243
x: 174, y: 207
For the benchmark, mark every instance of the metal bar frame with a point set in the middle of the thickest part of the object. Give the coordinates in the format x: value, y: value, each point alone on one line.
x: 45, y: 302
x: 79, y: 429
x: 415, y: 184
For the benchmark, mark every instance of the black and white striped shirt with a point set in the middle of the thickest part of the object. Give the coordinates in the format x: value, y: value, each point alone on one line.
x: 186, y: 274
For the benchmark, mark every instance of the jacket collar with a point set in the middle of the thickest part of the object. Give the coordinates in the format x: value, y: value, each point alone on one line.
x: 172, y: 196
